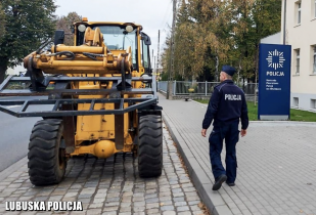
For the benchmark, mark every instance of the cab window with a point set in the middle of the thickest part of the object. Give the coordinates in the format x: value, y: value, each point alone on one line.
x: 145, y: 43
x: 145, y: 55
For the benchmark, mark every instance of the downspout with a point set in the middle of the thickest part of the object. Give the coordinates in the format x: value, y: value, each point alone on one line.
x: 284, y: 22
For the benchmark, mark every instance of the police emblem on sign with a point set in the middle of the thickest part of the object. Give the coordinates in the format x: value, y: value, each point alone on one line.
x: 275, y: 59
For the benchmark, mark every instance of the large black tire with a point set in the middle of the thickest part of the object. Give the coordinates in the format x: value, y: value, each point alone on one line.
x: 150, y: 146
x: 47, y: 160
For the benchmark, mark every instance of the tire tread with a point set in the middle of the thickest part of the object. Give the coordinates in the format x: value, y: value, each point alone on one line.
x: 150, y: 146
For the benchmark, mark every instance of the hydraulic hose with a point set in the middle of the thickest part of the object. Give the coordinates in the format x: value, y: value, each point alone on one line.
x: 92, y: 55
x: 68, y: 54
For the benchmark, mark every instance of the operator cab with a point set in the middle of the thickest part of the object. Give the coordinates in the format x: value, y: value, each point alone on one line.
x: 118, y: 37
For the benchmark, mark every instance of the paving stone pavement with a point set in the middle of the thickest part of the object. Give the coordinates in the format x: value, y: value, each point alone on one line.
x: 276, y: 163
x: 111, y: 186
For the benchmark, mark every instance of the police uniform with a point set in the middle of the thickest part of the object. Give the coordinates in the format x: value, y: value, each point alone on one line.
x: 226, y: 106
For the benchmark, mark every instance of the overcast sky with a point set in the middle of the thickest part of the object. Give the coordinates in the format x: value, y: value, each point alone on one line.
x: 153, y: 15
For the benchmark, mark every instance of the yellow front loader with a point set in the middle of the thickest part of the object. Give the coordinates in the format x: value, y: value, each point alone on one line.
x: 101, y: 96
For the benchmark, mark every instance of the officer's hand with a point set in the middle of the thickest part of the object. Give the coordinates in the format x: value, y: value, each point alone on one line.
x: 243, y: 132
x: 203, y: 132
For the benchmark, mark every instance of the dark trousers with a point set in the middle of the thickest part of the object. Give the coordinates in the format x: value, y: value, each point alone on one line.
x: 231, y: 135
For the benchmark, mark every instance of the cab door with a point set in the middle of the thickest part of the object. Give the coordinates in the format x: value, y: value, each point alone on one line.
x: 145, y: 53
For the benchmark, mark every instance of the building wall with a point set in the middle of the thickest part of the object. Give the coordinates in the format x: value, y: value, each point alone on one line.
x: 301, y: 36
x: 305, y: 101
x: 273, y: 39
x: 10, y: 71
x: 16, y: 70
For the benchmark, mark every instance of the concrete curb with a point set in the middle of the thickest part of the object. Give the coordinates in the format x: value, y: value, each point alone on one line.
x: 212, y: 199
x: 6, y: 172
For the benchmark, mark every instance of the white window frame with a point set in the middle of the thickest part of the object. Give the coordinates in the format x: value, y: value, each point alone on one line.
x: 297, y: 61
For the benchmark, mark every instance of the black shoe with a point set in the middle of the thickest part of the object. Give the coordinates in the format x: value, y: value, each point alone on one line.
x: 218, y: 183
x: 230, y: 184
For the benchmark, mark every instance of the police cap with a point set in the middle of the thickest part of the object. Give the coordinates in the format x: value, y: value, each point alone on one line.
x: 229, y: 70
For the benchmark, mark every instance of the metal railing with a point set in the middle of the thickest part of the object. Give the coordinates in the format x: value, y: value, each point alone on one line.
x: 201, y: 88
x: 162, y: 85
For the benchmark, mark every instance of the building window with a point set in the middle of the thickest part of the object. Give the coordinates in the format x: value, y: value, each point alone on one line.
x: 298, y: 13
x: 295, y: 101
x: 313, y: 104
x: 314, y: 59
x: 297, y: 61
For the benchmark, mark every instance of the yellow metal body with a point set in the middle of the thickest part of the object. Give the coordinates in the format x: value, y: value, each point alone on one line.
x: 94, y: 134
x: 107, y: 64
x: 99, y: 128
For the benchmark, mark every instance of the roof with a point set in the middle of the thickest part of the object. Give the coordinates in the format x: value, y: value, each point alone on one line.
x: 110, y: 23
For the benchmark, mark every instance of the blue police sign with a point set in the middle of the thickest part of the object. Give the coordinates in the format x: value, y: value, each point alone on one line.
x: 274, y: 82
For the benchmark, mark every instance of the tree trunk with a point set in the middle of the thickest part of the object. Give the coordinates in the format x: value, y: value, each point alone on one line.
x: 256, y: 73
x: 216, y: 68
x: 3, y: 68
x: 239, y: 69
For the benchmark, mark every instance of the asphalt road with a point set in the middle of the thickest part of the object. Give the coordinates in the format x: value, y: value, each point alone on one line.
x: 14, y: 135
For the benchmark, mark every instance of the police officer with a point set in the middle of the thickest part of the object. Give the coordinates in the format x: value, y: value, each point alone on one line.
x: 226, y: 106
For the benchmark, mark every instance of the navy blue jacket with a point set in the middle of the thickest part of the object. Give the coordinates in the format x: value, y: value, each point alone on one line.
x: 227, y: 105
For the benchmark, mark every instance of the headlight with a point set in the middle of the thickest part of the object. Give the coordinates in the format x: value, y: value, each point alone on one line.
x: 82, y: 28
x: 129, y: 28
